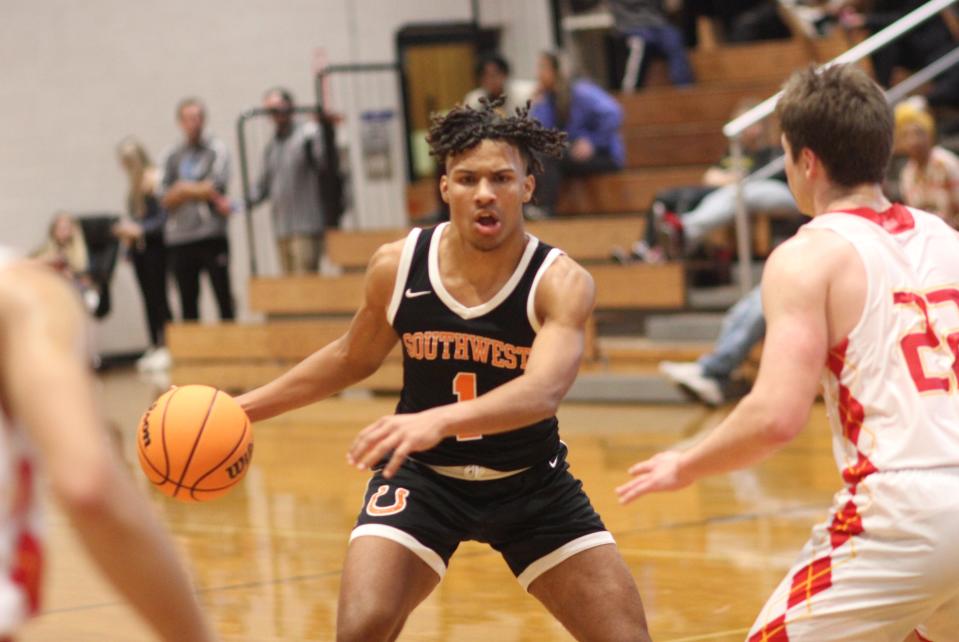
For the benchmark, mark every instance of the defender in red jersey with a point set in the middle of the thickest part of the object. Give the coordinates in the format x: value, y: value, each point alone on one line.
x: 48, y: 414
x: 865, y: 296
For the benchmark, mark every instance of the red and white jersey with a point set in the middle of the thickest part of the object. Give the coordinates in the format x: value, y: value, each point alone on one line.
x: 20, y: 520
x: 891, y: 386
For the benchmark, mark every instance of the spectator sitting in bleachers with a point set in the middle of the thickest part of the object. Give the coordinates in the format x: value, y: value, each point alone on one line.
x: 644, y: 25
x: 681, y: 218
x: 65, y: 251
x: 930, y: 177
x: 493, y: 76
x: 591, y: 119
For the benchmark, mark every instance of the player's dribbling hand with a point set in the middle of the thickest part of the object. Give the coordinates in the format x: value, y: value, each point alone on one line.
x: 658, y: 473
x: 401, y: 434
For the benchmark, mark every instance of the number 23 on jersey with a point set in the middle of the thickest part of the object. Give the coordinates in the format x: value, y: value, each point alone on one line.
x: 930, y: 337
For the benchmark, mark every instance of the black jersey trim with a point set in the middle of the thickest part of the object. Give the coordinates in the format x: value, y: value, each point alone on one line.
x: 402, y: 273
x: 553, y: 254
x: 457, y: 308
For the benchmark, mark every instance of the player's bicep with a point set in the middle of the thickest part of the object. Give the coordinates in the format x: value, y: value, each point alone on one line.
x: 564, y: 303
x: 796, y: 344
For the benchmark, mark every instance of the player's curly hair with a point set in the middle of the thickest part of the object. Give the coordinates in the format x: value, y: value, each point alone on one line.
x: 463, y: 128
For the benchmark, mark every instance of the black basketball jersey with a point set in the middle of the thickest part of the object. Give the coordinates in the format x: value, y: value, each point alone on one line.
x: 452, y: 352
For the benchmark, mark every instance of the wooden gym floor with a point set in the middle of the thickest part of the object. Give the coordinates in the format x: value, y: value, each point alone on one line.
x: 267, y: 557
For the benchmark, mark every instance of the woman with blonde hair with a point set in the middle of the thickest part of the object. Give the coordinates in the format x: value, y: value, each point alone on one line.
x: 65, y: 248
x: 142, y: 232
x: 930, y: 178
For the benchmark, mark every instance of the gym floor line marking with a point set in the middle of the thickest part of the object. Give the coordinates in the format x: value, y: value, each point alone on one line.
x: 711, y: 636
x: 653, y: 553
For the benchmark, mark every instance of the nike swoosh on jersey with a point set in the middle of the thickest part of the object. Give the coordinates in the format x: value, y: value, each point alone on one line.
x: 410, y: 294
x: 552, y: 462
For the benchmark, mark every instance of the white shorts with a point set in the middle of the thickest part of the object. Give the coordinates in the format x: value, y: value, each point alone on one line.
x: 885, y: 564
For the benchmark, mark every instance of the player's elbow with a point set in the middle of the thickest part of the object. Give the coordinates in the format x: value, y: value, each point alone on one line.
x: 86, y: 489
x: 779, y: 421
x: 781, y: 431
x: 545, y: 402
x: 782, y: 425
x: 358, y: 363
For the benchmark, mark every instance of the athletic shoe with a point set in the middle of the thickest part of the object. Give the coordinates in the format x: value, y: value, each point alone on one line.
x: 144, y: 361
x: 641, y: 251
x: 690, y: 377
x: 669, y: 232
x: 155, y: 360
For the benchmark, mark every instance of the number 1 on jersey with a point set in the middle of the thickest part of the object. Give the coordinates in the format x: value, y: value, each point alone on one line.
x: 464, y: 387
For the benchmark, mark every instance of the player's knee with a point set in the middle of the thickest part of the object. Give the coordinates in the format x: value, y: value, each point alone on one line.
x: 367, y: 621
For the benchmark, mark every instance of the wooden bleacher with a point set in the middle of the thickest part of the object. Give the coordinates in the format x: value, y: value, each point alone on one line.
x: 628, y: 191
x: 687, y: 144
x: 240, y: 356
x: 768, y: 61
x: 618, y: 287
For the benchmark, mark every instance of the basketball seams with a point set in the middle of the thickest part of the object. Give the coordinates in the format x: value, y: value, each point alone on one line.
x: 194, y: 490
x: 166, y: 454
x: 196, y: 442
x: 246, y: 426
x: 152, y: 466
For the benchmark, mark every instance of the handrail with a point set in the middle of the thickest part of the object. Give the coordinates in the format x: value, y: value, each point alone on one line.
x: 736, y: 126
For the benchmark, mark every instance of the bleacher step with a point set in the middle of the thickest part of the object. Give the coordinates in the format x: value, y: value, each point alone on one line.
x: 625, y: 387
x: 698, y: 326
x: 622, y: 352
x: 713, y: 299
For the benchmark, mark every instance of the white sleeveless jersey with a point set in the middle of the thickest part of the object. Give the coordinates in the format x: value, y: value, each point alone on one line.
x: 20, y: 549
x: 891, y: 386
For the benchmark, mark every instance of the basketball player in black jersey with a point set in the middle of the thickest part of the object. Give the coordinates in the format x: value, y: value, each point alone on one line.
x: 492, y: 327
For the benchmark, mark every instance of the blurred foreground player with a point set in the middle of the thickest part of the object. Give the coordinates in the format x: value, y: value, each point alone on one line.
x: 492, y: 328
x: 870, y: 290
x: 48, y: 415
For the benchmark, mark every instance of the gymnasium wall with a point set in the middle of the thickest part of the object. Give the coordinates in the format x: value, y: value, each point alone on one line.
x: 75, y: 77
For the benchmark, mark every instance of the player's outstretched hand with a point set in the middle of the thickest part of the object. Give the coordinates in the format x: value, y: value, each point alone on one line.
x: 656, y: 474
x: 402, y: 434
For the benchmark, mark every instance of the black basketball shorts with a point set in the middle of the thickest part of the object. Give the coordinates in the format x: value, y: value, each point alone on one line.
x: 535, y: 519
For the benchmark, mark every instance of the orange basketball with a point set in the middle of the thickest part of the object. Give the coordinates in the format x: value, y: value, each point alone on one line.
x: 195, y: 443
